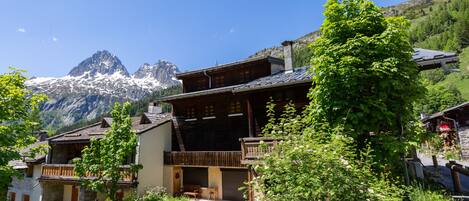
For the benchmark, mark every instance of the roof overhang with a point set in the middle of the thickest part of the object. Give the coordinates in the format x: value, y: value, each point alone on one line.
x: 229, y: 66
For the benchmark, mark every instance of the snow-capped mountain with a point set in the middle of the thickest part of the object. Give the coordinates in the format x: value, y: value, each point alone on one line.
x: 90, y: 89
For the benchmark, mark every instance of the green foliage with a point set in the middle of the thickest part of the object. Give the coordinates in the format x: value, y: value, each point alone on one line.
x: 320, y: 165
x: 18, y: 121
x: 445, y: 27
x: 434, y: 75
x: 302, y: 56
x: 104, y: 157
x: 155, y: 194
x: 438, y: 98
x: 140, y: 106
x: 365, y: 80
x: 418, y: 193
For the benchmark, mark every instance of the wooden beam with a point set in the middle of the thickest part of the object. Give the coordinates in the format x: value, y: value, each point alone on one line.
x: 178, y: 134
x: 250, y: 118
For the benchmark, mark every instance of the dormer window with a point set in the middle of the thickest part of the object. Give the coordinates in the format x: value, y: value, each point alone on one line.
x: 219, y: 81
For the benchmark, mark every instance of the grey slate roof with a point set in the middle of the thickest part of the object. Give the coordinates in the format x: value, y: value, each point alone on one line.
x: 21, y: 164
x: 441, y: 113
x: 426, y: 54
x: 423, y: 57
x: 232, y: 64
x: 97, y: 131
x: 429, y: 59
x: 299, y: 75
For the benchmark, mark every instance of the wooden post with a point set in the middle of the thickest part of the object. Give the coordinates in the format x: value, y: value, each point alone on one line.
x: 250, y: 118
x: 435, y: 161
x: 455, y: 177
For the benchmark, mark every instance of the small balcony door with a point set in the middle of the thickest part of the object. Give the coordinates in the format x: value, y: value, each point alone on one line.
x: 75, y: 193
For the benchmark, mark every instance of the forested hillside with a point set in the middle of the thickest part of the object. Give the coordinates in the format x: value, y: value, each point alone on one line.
x: 443, y: 25
x: 435, y: 24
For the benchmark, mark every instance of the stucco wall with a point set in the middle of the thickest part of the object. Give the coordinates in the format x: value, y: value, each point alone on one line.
x: 215, y: 180
x: 27, y: 185
x: 151, y: 147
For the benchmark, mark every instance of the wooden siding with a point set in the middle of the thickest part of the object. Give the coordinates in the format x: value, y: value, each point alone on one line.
x: 66, y: 172
x: 251, y: 149
x: 203, y: 158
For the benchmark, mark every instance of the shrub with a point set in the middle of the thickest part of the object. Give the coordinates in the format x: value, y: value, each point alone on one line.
x: 419, y: 193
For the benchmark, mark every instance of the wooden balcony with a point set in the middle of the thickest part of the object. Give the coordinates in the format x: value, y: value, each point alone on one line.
x: 203, y: 158
x: 66, y: 173
x: 252, y: 150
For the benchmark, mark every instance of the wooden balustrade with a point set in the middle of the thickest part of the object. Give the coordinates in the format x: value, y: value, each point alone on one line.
x: 252, y: 150
x: 204, y: 158
x: 66, y: 172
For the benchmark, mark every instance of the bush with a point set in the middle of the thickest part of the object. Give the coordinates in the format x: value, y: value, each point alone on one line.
x: 419, y: 193
x: 155, y: 194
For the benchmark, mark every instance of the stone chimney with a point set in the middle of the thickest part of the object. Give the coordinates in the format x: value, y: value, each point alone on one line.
x: 154, y: 108
x: 288, y: 55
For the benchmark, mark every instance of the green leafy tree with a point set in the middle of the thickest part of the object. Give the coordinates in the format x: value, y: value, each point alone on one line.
x: 104, y: 157
x: 365, y: 79
x: 319, y: 165
x: 17, y: 108
x: 438, y: 98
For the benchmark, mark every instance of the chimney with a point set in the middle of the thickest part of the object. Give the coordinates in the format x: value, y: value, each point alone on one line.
x: 42, y: 136
x: 154, y: 108
x: 288, y: 55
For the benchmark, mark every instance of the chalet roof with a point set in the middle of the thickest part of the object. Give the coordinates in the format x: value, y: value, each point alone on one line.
x: 441, y: 113
x: 231, y: 65
x: 298, y: 76
x: 21, y: 164
x: 84, y: 134
x: 426, y: 58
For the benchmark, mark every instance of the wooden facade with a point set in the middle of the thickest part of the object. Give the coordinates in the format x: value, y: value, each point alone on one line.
x: 204, y: 158
x: 65, y: 172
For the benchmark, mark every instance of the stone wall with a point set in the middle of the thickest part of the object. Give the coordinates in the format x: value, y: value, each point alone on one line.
x: 464, y: 141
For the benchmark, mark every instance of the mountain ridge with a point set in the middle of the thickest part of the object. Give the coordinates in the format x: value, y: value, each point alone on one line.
x: 91, y: 87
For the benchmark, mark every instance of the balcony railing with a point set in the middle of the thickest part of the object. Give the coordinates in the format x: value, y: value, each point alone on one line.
x: 204, y: 158
x: 66, y: 172
x: 252, y: 151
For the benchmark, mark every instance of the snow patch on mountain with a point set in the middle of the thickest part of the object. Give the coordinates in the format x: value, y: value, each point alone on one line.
x: 91, y: 88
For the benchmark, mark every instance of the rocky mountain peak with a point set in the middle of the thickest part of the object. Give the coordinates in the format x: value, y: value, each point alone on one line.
x: 163, y: 71
x: 101, y: 62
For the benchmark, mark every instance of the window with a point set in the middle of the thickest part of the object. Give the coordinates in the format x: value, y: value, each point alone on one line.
x: 209, y: 111
x: 25, y: 197
x: 235, y: 107
x: 220, y: 81
x: 190, y: 112
x: 12, y: 196
x: 29, y: 171
x: 244, y: 75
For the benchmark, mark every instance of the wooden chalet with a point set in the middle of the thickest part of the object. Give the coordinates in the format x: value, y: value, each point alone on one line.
x: 452, y: 125
x: 219, y: 116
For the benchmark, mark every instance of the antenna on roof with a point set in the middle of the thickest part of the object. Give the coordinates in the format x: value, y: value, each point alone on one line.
x: 216, y: 62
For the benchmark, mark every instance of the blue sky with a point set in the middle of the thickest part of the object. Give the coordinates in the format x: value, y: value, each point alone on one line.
x: 48, y: 38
